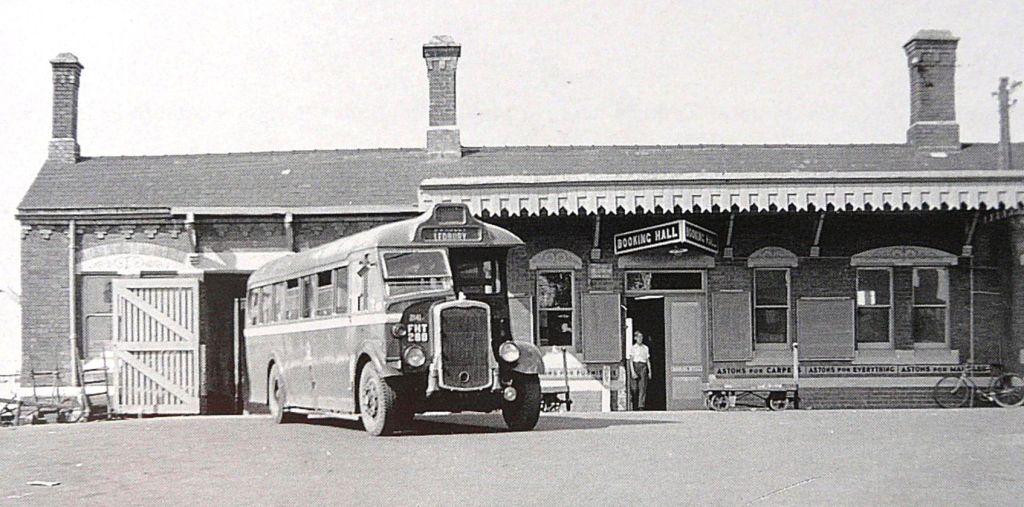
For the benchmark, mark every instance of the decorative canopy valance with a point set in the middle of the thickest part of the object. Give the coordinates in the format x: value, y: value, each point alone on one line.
x: 610, y: 193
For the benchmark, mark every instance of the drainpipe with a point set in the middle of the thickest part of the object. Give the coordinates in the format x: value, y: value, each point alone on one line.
x: 968, y: 251
x: 72, y: 304
x: 971, y: 309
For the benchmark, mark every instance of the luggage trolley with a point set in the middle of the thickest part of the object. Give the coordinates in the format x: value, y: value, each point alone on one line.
x: 556, y: 397
x: 724, y: 394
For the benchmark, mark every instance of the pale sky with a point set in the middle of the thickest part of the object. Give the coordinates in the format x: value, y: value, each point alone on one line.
x: 207, y: 77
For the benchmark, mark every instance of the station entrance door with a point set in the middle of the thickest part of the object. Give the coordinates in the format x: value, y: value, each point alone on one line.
x: 685, y: 318
x: 674, y: 325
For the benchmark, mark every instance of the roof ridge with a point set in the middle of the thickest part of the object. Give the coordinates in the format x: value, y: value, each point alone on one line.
x: 538, y: 147
x: 683, y: 146
x: 265, y: 152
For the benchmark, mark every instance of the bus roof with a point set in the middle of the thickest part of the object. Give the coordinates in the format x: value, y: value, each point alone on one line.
x: 446, y: 225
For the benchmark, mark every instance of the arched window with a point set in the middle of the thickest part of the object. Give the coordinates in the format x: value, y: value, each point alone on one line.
x: 880, y: 271
x: 771, y: 266
x: 556, y: 296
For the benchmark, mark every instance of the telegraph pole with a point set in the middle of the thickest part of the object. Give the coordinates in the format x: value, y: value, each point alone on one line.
x: 1005, y: 89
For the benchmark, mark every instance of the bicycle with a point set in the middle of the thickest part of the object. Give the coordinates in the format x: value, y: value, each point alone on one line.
x: 955, y: 390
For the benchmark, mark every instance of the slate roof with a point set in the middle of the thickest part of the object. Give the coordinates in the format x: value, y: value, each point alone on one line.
x: 389, y: 178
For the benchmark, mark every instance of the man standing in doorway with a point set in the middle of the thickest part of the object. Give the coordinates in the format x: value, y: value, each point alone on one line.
x: 640, y: 370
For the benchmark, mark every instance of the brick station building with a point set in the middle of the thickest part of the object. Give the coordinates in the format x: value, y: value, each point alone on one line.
x: 890, y: 264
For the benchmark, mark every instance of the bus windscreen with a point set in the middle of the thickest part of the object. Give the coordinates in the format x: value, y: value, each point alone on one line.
x: 416, y: 271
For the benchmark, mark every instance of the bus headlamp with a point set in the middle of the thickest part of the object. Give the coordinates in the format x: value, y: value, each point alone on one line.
x: 509, y: 352
x: 399, y: 330
x: 415, y: 357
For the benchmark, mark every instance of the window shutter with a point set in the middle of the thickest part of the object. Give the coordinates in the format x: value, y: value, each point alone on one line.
x: 824, y: 328
x: 732, y: 335
x: 520, y: 314
x: 602, y: 327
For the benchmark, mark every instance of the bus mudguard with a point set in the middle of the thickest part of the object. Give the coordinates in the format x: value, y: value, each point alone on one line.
x: 530, y: 361
x: 374, y: 352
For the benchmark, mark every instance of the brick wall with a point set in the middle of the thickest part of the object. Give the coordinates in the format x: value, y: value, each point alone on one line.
x: 315, y: 231
x: 167, y: 234
x: 44, y: 300
x: 230, y: 233
x: 253, y: 234
x: 943, y: 135
x: 866, y: 397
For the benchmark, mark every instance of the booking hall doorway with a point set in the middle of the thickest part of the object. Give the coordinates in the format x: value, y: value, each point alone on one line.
x: 647, y: 315
x: 669, y: 308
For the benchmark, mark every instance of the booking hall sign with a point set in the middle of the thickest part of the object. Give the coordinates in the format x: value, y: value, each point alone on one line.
x: 679, y: 232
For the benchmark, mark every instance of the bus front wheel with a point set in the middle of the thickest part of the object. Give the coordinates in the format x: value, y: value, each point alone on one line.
x: 377, y: 403
x: 522, y: 413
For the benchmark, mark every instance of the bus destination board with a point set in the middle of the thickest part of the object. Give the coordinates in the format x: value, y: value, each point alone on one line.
x: 451, y: 234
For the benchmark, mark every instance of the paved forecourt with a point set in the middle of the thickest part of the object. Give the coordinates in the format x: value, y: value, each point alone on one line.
x: 739, y: 457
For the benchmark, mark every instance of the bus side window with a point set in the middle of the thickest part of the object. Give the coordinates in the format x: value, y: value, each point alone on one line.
x: 254, y: 308
x: 265, y: 295
x: 324, y: 293
x: 341, y: 290
x: 293, y: 302
x: 279, y: 302
x: 308, y: 297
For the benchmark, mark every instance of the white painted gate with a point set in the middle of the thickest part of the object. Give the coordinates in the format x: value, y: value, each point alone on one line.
x: 156, y: 340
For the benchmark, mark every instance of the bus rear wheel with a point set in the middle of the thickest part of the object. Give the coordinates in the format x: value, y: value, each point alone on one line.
x: 277, y: 400
x: 378, y: 403
x: 523, y: 413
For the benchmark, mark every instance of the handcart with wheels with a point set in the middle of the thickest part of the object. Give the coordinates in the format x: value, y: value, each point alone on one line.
x: 46, y: 404
x: 10, y: 411
x: 774, y: 394
x: 723, y: 395
x: 15, y: 411
x: 554, y: 398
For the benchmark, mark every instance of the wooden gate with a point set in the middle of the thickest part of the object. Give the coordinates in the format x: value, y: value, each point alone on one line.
x: 156, y: 340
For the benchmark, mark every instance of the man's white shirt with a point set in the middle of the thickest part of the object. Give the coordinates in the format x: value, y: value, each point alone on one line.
x: 641, y: 354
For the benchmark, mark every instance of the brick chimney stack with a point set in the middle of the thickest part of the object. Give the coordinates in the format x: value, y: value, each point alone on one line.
x: 931, y: 57
x: 442, y: 56
x: 66, y: 74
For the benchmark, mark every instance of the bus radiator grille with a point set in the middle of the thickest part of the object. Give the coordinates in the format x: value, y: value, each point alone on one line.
x: 465, y: 348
